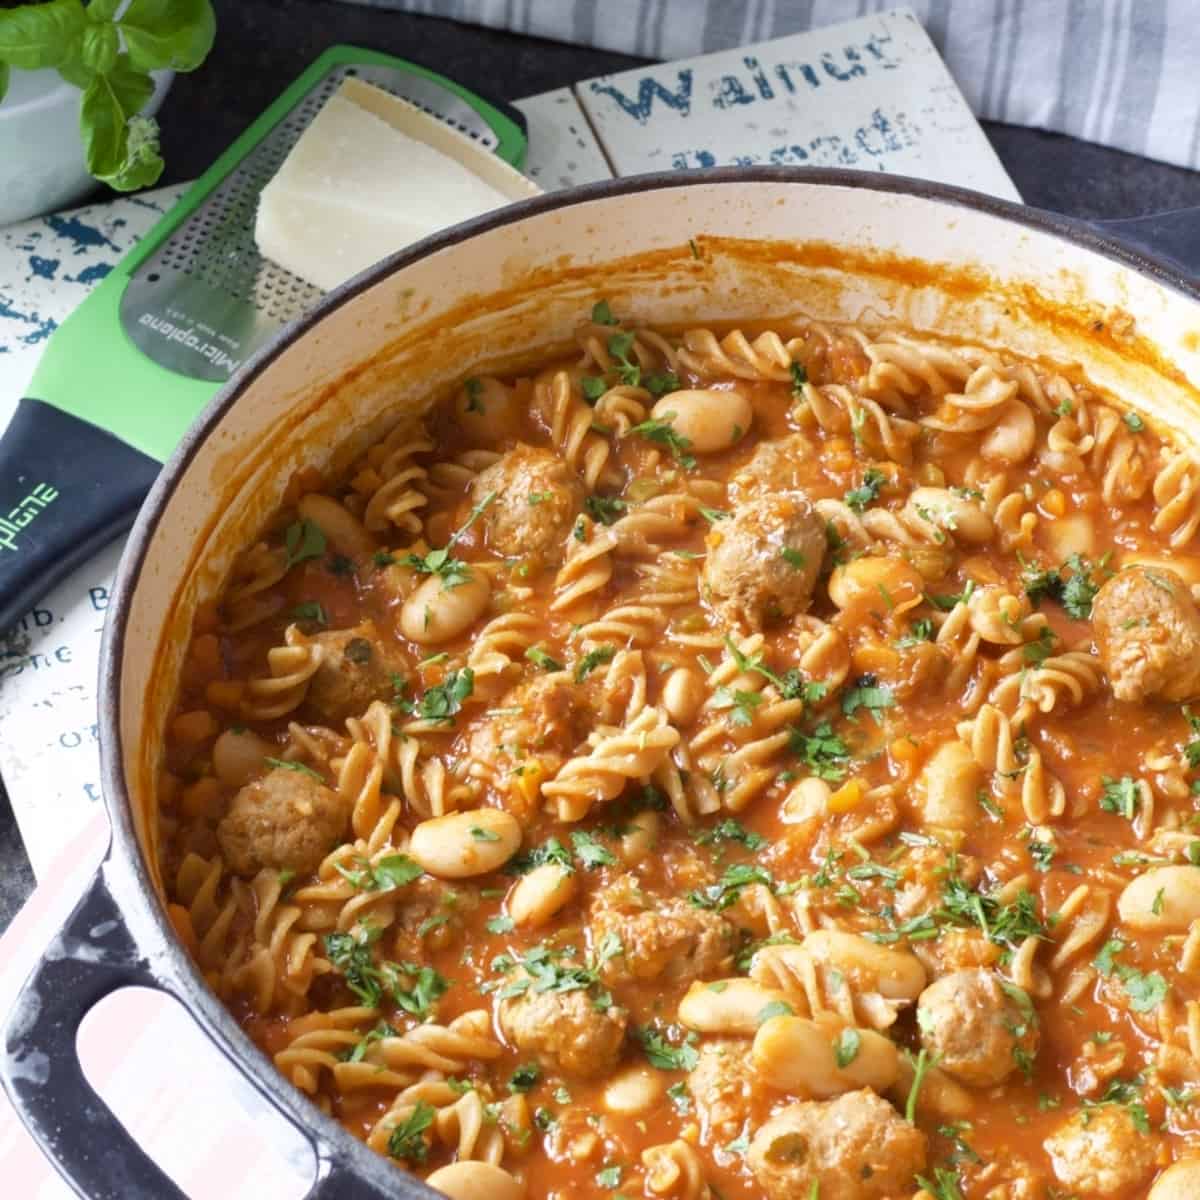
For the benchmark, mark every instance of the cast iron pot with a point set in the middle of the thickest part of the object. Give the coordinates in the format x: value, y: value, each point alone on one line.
x: 740, y: 245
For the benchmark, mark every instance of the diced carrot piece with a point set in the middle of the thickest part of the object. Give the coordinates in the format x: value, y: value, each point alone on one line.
x: 224, y: 693
x: 847, y: 797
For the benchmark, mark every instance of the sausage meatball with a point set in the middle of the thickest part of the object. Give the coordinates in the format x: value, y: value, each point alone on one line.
x: 670, y: 940
x: 978, y: 1032
x: 763, y: 561
x: 1101, y: 1152
x: 721, y: 1084
x: 1148, y: 633
x: 536, y: 500
x: 564, y: 1031
x: 785, y: 465
x: 287, y: 820
x: 856, y: 1147
x: 357, y: 666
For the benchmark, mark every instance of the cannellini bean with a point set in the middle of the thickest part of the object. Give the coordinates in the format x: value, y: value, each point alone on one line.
x: 435, y: 613
x: 947, y: 789
x: 710, y: 420
x: 460, y: 845
x: 728, y: 1006
x: 640, y: 836
x: 961, y: 516
x: 237, y: 756
x: 682, y: 695
x: 1180, y: 1181
x: 475, y: 1181
x: 1165, y: 899
x: 1074, y: 533
x: 896, y: 974
x: 1012, y: 438
x: 634, y: 1091
x: 538, y: 896
x: 800, y: 1055
x: 940, y: 1096
x: 875, y: 584
x: 342, y: 528
x: 487, y: 410
x: 807, y: 801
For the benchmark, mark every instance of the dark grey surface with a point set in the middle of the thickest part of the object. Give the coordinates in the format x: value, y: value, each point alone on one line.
x: 263, y: 44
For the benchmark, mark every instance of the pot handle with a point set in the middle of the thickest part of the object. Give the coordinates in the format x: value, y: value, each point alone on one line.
x: 93, y: 955
x: 1173, y: 235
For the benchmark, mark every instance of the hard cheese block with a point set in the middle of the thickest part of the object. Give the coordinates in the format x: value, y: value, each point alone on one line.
x: 370, y: 175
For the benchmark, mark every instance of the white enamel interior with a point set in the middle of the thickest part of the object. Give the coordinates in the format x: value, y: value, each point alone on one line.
x: 504, y: 293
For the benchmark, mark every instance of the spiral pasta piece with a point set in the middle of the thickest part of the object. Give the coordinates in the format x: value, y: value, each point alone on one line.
x: 292, y: 666
x: 397, y: 498
x: 570, y: 421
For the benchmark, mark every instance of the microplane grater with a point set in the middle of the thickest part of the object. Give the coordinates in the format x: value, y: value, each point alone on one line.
x: 125, y: 374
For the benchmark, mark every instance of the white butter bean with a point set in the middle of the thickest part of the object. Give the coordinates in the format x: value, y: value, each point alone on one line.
x: 875, y: 583
x: 1012, y: 438
x: 1180, y: 1181
x: 895, y: 974
x: 959, y: 516
x: 710, y: 420
x: 800, y: 1055
x: 949, y: 783
x: 435, y: 613
x: 341, y: 527
x: 475, y: 1181
x: 237, y: 756
x: 682, y: 695
x: 640, y: 836
x: 1165, y: 899
x: 728, y: 1006
x: 634, y: 1091
x: 538, y: 896
x: 460, y: 845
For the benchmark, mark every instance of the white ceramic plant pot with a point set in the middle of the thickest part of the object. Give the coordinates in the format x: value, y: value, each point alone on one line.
x: 41, y: 156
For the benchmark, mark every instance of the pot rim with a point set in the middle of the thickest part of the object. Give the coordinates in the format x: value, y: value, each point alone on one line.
x: 203, y: 1004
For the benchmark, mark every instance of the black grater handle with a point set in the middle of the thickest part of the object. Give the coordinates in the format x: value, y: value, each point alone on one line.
x: 67, y: 488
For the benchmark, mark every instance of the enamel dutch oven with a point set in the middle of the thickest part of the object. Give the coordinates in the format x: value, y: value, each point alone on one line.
x: 732, y: 245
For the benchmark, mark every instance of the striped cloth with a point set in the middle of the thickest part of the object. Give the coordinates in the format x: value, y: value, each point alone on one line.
x: 1119, y: 72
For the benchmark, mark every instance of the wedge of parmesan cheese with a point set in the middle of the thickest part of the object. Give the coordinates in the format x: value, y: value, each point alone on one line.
x: 370, y: 175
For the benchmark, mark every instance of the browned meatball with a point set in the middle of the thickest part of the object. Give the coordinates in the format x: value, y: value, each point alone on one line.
x: 856, y: 1147
x: 722, y: 1085
x: 1148, y: 633
x: 784, y: 465
x: 540, y: 720
x: 978, y: 1032
x: 670, y: 940
x: 763, y: 562
x: 565, y: 1031
x: 536, y: 500
x: 287, y: 820
x: 1101, y: 1152
x: 357, y: 666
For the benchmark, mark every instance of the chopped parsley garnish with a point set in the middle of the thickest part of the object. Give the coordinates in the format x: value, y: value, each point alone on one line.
x: 729, y: 830
x: 593, y: 386
x: 474, y: 389
x: 741, y: 703
x: 1004, y: 924
x: 440, y: 703
x: 1037, y: 652
x: 282, y: 764
x: 500, y: 924
x: 664, y: 1056
x: 945, y: 603
x: 921, y: 1067
x: 524, y: 1078
x: 407, y: 1140
x: 550, y: 851
x: 619, y: 346
x: 869, y: 694
x: 867, y: 492
x: 822, y: 751
x: 602, y: 314
x: 1135, y: 423
x: 943, y: 1185
x: 606, y: 510
x: 592, y: 659
x: 793, y: 558
x: 551, y: 970
x: 590, y: 852
x: 799, y: 378
x: 1192, y: 750
x: 539, y: 658
x: 453, y: 571
x: 1120, y: 796
x: 310, y: 610
x: 846, y: 1046
x: 1074, y: 591
x: 358, y: 1051
x: 661, y: 383
x: 359, y: 651
x: 393, y: 871
x: 609, y: 1177
x: 1042, y: 854
x: 726, y: 891
x: 480, y: 834
x: 1126, y: 1094
x: 918, y: 632
x: 791, y: 685
x: 303, y: 540
x: 678, y: 1095
x: 1146, y: 991
x: 663, y: 432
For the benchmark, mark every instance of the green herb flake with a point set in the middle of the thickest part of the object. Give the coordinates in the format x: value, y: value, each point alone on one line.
x: 867, y: 492
x: 602, y: 314
x: 407, y: 1140
x: 539, y: 658
x: 846, y: 1046
x: 303, y: 540
x: 282, y: 764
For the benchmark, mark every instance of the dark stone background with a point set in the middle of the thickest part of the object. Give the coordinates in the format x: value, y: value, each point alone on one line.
x: 262, y: 45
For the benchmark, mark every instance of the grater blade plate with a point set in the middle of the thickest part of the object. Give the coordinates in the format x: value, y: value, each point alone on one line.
x: 205, y: 300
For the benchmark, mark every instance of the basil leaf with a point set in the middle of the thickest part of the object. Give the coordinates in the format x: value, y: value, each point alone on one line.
x: 120, y: 151
x: 168, y: 33
x: 3, y: 81
x: 41, y: 35
x: 99, y: 48
x: 100, y: 11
